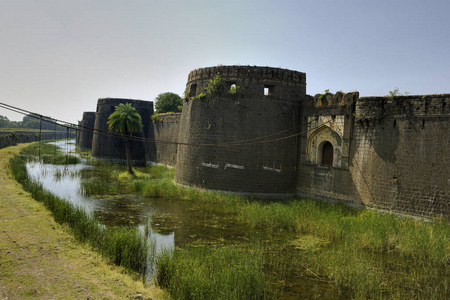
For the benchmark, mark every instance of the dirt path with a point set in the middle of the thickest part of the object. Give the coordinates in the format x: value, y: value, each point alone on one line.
x: 39, y: 259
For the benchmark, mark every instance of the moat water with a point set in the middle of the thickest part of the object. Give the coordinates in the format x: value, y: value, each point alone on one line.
x: 173, y: 223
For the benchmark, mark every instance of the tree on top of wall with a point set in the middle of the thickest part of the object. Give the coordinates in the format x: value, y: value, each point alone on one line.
x: 125, y: 120
x: 168, y: 102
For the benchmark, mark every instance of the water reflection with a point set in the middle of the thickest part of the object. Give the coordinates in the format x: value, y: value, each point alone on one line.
x: 64, y: 181
x: 169, y: 223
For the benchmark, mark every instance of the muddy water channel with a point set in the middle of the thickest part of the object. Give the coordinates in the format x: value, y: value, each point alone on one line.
x: 176, y: 223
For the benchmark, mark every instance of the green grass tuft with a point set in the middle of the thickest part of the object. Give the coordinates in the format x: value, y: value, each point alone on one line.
x: 126, y: 247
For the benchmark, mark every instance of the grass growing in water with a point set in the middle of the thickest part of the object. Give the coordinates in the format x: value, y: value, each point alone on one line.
x: 50, y: 154
x: 126, y: 247
x: 228, y: 272
x: 362, y: 251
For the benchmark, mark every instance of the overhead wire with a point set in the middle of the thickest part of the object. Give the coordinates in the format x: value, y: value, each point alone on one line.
x: 252, y: 141
x: 81, y: 128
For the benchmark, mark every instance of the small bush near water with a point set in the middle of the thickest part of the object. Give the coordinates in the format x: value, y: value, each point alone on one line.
x: 126, y: 247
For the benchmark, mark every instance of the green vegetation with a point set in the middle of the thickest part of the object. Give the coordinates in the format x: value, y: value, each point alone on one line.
x: 186, y: 93
x: 168, y: 102
x: 201, y: 96
x: 204, y: 272
x: 233, y: 89
x: 49, y: 154
x: 126, y: 120
x: 30, y: 121
x: 126, y: 247
x: 156, y: 119
x: 396, y: 92
x: 360, y: 253
x: 215, y: 86
x: 323, y: 95
x: 363, y: 253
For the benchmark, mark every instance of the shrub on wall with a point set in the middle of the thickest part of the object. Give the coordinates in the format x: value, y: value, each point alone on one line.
x: 215, y: 86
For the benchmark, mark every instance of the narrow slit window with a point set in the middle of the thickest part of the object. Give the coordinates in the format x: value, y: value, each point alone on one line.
x: 233, y: 89
x: 269, y: 90
x: 193, y: 90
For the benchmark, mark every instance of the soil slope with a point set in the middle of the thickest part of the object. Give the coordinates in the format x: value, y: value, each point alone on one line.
x: 39, y: 259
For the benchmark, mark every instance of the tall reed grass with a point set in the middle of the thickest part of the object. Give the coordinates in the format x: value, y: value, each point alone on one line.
x: 370, y: 230
x: 202, y: 272
x: 50, y: 154
x: 126, y: 247
x: 363, y: 252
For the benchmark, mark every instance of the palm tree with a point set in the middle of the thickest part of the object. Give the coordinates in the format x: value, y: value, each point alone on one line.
x: 126, y: 120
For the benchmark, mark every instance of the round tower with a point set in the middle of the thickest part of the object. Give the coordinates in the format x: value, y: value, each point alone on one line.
x: 109, y: 145
x: 86, y: 131
x: 239, y: 129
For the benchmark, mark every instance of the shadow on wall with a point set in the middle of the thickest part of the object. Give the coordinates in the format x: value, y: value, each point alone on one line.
x: 387, y: 139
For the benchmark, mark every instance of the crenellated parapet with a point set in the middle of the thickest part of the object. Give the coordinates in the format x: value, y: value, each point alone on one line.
x: 333, y: 100
x: 328, y: 118
x: 249, y: 72
x: 250, y: 82
x: 375, y: 108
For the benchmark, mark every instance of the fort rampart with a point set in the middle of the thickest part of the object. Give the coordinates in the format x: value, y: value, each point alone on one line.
x: 86, y: 132
x: 13, y: 138
x: 391, y: 153
x: 258, y: 132
x: 225, y: 137
x: 112, y: 146
x: 166, y: 127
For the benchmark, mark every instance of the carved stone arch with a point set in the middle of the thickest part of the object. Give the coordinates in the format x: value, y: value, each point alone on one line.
x: 316, y: 142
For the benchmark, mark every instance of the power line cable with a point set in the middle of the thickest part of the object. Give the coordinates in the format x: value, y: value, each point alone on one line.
x: 252, y: 141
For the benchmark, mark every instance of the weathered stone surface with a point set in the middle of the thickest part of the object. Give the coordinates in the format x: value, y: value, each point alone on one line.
x: 395, y: 153
x: 109, y: 145
x: 232, y: 142
x: 166, y: 127
x: 391, y: 153
x: 86, y: 132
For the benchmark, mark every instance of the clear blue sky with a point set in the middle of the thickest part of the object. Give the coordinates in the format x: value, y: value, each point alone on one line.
x: 58, y: 57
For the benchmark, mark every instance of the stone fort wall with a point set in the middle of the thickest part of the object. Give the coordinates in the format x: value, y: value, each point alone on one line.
x: 391, y: 153
x: 220, y: 145
x: 86, y: 132
x: 12, y: 138
x: 110, y: 145
x: 166, y: 127
x: 269, y: 137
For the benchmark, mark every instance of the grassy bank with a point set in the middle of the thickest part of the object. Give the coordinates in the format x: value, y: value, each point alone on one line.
x: 40, y: 259
x: 363, y: 253
x: 125, y: 247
